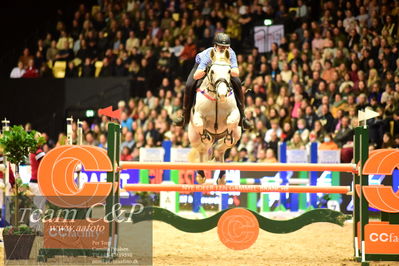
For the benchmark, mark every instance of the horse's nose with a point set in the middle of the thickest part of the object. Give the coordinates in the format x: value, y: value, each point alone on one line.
x: 222, y: 98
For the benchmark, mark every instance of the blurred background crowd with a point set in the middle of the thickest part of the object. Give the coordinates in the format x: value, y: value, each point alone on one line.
x: 331, y: 63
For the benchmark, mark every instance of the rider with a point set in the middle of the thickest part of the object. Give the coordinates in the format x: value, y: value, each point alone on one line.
x: 202, y: 61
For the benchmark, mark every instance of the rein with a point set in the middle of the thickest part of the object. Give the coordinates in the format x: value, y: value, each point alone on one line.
x: 215, y: 85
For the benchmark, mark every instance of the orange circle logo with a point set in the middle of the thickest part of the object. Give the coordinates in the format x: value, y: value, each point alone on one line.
x: 238, y: 229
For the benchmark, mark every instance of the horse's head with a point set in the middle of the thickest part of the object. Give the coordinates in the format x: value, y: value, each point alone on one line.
x: 219, y: 74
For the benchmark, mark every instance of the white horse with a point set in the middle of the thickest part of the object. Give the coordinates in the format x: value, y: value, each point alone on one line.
x: 215, y: 118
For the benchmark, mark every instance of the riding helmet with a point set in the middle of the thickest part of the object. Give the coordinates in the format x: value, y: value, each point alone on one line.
x: 222, y: 39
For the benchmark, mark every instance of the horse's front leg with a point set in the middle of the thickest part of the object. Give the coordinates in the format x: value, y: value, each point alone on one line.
x: 232, y: 128
x: 198, y: 124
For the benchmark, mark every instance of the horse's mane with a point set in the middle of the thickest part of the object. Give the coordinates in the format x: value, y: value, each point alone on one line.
x: 220, y: 57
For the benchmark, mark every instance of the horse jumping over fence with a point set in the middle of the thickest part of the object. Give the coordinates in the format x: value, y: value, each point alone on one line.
x: 214, y: 123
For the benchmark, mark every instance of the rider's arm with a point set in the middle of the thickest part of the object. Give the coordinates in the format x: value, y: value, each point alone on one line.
x: 234, y: 72
x: 203, y: 59
x: 199, y: 74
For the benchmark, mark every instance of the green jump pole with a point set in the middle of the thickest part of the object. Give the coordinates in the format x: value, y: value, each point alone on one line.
x: 114, y: 133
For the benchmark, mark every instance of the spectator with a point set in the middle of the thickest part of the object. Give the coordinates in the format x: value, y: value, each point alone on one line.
x: 275, y: 128
x: 302, y: 130
x: 31, y: 71
x: 71, y: 71
x: 107, y: 69
x: 87, y: 68
x: 126, y: 154
x: 52, y: 51
x: 326, y: 118
x: 129, y: 141
x: 345, y: 133
x: 64, y: 54
x: 18, y: 71
x: 25, y: 57
x: 296, y: 142
x: 328, y: 143
x: 243, y: 155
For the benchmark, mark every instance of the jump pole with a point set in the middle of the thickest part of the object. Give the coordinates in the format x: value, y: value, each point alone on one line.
x: 236, y: 188
x: 351, y: 168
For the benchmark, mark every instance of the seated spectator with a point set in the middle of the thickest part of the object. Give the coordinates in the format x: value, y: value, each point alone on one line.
x: 87, y: 68
x: 189, y: 50
x: 120, y: 69
x: 318, y: 133
x: 302, y: 130
x: 126, y: 154
x: 273, y: 143
x: 126, y: 121
x: 65, y: 54
x: 387, y: 141
x: 83, y: 52
x: 326, y: 118
x: 296, y: 142
x: 71, y: 71
x: 106, y: 70
x: 132, y: 41
x: 345, y: 133
x: 129, y: 141
x: 31, y: 71
x: 274, y: 128
x: 90, y: 139
x: 328, y: 71
x: 243, y: 155
x: 18, y: 71
x: 270, y: 156
x: 25, y: 57
x: 64, y: 42
x: 52, y: 51
x: 328, y: 143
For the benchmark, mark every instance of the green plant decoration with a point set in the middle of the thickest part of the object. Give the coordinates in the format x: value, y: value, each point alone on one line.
x: 17, y: 144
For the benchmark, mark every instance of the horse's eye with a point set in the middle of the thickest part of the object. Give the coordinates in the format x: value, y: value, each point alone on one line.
x: 229, y: 71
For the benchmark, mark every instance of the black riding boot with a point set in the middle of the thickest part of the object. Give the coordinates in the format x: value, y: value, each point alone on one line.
x: 244, y: 122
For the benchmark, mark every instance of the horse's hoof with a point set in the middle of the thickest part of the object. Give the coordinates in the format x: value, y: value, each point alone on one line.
x: 200, y: 177
x: 221, y: 180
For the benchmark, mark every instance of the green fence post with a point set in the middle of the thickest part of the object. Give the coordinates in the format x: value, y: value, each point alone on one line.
x: 174, y: 177
x: 335, y: 181
x: 252, y: 199
x: 303, y: 203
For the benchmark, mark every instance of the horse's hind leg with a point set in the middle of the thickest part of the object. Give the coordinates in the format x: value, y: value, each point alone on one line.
x: 219, y: 151
x: 200, y: 176
x: 202, y: 151
x: 221, y: 178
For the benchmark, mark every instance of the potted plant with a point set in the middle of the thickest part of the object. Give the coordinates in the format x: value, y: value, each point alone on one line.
x: 17, y: 144
x: 18, y: 241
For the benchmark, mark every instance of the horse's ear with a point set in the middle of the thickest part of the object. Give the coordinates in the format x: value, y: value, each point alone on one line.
x: 213, y: 55
x: 227, y: 54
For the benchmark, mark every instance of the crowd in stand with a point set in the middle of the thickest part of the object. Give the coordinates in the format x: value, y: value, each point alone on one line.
x: 308, y: 88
